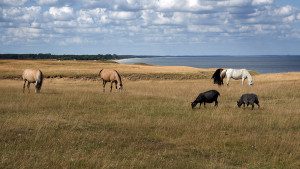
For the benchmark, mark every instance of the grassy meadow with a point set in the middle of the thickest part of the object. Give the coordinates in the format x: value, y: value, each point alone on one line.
x: 150, y: 124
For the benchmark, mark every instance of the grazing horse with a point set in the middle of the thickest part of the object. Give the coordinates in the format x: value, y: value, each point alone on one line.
x: 237, y: 74
x: 110, y: 75
x: 33, y: 76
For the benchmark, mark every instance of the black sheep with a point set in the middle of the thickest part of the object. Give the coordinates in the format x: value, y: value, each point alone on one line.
x: 206, y: 97
x: 248, y: 98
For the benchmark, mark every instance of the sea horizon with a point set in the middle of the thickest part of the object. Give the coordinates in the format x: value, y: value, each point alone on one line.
x: 258, y: 63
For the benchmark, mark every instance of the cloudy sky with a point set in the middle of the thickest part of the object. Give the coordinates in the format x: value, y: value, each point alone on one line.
x: 150, y: 27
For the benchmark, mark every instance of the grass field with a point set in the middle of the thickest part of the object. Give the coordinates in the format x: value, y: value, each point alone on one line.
x: 150, y: 124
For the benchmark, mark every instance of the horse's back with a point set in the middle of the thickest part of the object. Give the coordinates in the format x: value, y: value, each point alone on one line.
x: 109, y: 74
x: 31, y: 75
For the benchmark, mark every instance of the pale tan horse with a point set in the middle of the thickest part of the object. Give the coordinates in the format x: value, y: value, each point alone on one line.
x: 33, y: 76
x: 110, y: 75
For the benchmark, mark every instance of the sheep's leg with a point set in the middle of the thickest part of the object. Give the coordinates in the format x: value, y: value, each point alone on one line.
x: 203, y: 104
x: 252, y: 105
x: 24, y: 86
x: 200, y: 105
x: 244, y: 105
x: 258, y: 104
x: 216, y: 103
x: 104, y: 83
x: 28, y: 85
x: 116, y: 83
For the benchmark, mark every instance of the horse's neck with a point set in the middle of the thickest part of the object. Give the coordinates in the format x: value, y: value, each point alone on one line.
x: 119, y: 79
x: 247, y: 74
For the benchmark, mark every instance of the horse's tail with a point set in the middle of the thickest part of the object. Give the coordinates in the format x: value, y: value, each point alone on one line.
x: 39, y: 80
x: 100, y: 72
x: 217, y: 77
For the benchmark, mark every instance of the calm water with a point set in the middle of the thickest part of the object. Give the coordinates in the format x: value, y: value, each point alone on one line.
x: 261, y: 64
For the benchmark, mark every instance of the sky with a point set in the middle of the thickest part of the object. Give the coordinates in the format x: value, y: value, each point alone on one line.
x: 151, y: 27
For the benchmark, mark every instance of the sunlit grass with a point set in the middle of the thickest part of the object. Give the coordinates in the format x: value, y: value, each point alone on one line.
x: 150, y: 124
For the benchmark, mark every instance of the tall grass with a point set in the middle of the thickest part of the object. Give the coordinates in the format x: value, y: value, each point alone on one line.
x: 73, y: 124
x: 89, y: 70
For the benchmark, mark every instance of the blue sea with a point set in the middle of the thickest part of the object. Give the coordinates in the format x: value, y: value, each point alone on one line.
x: 261, y: 64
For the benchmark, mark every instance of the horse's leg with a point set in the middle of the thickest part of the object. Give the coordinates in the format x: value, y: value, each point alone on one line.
x: 243, y: 79
x: 35, y: 90
x: 28, y: 85
x: 227, y: 80
x: 24, y: 86
x: 104, y: 83
x: 111, y: 84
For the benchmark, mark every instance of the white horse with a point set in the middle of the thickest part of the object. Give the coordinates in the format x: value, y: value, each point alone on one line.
x: 237, y: 74
x: 33, y: 76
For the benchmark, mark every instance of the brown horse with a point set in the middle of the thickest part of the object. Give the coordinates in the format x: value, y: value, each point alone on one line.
x: 33, y: 76
x: 110, y: 75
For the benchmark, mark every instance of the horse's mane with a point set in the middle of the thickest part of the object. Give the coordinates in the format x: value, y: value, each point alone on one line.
x: 119, y: 77
x: 40, y: 80
x: 217, y: 77
x: 100, y: 72
x: 249, y: 77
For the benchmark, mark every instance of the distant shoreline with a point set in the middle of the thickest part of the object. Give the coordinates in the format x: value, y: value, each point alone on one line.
x: 261, y: 64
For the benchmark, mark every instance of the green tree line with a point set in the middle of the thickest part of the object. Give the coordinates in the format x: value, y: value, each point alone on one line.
x: 64, y: 57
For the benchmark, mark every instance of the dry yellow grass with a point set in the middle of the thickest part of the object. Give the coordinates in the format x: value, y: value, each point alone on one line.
x: 68, y: 68
x: 72, y: 124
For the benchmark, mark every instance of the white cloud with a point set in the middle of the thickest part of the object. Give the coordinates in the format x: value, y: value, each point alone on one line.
x: 166, y: 20
x: 63, y: 13
x: 238, y: 2
x: 13, y: 2
x: 298, y: 16
x: 289, y: 19
x: 46, y: 2
x: 123, y: 15
x: 94, y: 16
x: 283, y: 11
x: 262, y: 2
x: 24, y: 32
x: 204, y: 29
x: 21, y: 14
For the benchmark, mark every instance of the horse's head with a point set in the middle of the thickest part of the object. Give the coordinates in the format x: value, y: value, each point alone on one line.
x: 250, y: 82
x: 120, y: 86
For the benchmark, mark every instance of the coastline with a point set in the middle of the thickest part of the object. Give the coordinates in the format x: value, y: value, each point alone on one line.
x: 260, y: 64
x: 76, y: 69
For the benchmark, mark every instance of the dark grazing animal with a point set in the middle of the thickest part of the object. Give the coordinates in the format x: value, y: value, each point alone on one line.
x: 217, y: 78
x: 248, y: 98
x: 206, y: 97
